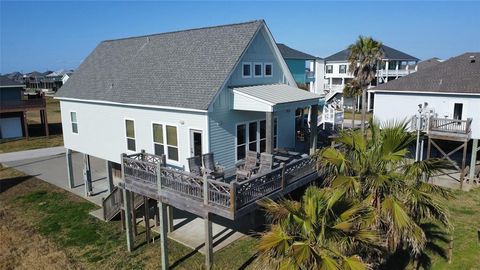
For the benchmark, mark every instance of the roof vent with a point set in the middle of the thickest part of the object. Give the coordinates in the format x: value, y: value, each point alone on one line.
x: 472, y: 58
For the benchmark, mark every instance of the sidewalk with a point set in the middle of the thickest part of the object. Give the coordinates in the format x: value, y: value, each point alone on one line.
x: 30, y: 154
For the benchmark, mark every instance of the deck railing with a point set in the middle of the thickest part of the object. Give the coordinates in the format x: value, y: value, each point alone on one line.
x: 450, y: 125
x: 21, y: 105
x: 142, y: 171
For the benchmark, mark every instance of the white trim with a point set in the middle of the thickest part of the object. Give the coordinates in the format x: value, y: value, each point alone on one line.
x: 424, y: 92
x: 129, y: 104
x: 198, y: 130
x: 165, y: 144
x: 243, y: 65
x: 252, y: 97
x: 207, y: 133
x: 153, y: 137
x: 261, y: 69
x: 71, y: 122
x: 265, y: 69
x: 125, y: 134
x: 280, y: 59
x: 326, y: 69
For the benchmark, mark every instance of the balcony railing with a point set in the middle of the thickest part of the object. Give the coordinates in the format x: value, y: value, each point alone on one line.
x: 450, y: 125
x: 22, y: 105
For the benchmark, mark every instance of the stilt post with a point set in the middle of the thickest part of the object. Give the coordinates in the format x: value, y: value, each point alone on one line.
x: 163, y: 234
x: 170, y: 218
x: 146, y: 216
x: 464, y: 159
x: 87, y: 175
x: 473, y: 159
x: 208, y: 241
x: 71, y: 179
x: 269, y: 132
x: 127, y: 202
x: 109, y: 166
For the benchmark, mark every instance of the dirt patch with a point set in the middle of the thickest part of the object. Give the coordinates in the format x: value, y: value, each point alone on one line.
x: 23, y: 248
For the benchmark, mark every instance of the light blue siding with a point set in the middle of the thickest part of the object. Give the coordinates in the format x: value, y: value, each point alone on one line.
x: 297, y: 68
x: 223, y: 119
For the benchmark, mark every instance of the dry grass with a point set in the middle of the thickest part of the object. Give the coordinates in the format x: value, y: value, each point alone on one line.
x: 53, y: 112
x: 23, y: 144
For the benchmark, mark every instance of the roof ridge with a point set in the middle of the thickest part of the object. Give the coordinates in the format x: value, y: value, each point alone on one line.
x: 185, y: 30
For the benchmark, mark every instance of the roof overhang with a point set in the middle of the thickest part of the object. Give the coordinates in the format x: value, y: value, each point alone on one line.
x: 271, y: 97
x: 422, y: 92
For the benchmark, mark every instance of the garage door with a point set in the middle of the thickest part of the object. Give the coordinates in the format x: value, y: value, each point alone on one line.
x: 10, y: 127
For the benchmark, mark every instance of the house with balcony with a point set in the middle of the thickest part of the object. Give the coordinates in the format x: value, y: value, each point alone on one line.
x: 14, y: 107
x: 442, y: 101
x: 394, y: 64
x: 305, y: 68
x: 194, y: 144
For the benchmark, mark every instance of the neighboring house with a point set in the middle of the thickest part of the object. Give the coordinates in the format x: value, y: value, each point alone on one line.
x: 47, y: 81
x: 450, y: 93
x: 13, y: 109
x: 307, y: 70
x: 394, y: 64
x: 428, y: 63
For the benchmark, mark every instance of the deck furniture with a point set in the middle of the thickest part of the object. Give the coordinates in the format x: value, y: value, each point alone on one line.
x: 245, y: 170
x: 195, y: 165
x: 210, y: 168
x: 266, y: 163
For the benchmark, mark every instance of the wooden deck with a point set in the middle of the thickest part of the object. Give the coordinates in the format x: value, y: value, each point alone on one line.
x: 449, y: 129
x: 146, y: 175
x: 23, y: 105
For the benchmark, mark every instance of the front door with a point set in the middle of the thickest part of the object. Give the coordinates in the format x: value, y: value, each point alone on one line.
x: 195, y: 143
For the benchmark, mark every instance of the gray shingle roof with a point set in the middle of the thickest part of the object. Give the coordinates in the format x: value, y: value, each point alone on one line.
x: 389, y: 53
x: 183, y: 69
x: 277, y: 93
x: 5, y: 81
x: 456, y: 75
x: 428, y: 63
x: 289, y: 53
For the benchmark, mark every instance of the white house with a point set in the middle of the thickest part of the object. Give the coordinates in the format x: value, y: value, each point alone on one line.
x: 394, y: 64
x: 450, y: 91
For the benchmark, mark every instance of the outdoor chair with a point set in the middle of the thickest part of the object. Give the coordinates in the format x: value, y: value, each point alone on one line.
x: 245, y: 170
x: 266, y: 163
x: 210, y: 168
x: 195, y: 165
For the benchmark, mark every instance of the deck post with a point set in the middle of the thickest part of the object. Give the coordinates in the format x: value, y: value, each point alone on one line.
x: 87, y: 175
x: 313, y: 128
x: 269, y: 132
x: 146, y: 217
x: 25, y: 124
x: 208, y: 241
x: 127, y: 204
x: 162, y: 211
x: 429, y: 147
x: 170, y: 218
x: 71, y: 179
x: 464, y: 159
x: 134, y: 215
x: 473, y: 159
x: 233, y: 198
x: 109, y: 176
x: 283, y: 183
x: 45, y: 122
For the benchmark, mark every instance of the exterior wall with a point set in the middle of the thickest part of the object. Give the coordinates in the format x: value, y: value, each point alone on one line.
x: 317, y: 86
x: 297, y: 68
x: 10, y: 94
x: 223, y: 119
x: 400, y: 106
x: 101, y: 129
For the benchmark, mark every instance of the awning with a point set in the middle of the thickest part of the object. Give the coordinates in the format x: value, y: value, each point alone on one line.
x: 266, y: 98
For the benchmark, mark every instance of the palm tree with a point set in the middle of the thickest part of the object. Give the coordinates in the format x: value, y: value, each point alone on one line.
x: 352, y: 90
x: 365, y: 53
x: 378, y: 170
x: 325, y: 230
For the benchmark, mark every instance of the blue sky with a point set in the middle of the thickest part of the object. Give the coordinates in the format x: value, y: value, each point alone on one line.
x: 52, y: 35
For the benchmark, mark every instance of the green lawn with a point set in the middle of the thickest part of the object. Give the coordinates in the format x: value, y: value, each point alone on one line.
x: 22, y: 144
x: 90, y: 243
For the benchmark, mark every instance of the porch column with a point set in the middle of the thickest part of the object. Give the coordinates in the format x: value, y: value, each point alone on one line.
x: 25, y: 124
x: 87, y: 174
x: 71, y: 179
x: 313, y: 127
x: 162, y: 211
x: 473, y: 159
x: 269, y: 132
x: 208, y: 241
x: 109, y: 176
x: 170, y: 218
x: 369, y: 95
x: 127, y: 206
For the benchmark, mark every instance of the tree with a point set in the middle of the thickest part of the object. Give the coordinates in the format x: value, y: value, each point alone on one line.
x: 378, y: 170
x: 326, y: 230
x: 352, y: 90
x: 365, y: 53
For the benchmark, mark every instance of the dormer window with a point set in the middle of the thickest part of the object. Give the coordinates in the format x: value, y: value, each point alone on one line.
x: 257, y: 70
x: 247, y: 70
x: 268, y: 69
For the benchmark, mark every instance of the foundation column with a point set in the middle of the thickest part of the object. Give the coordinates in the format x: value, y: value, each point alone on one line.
x: 208, y: 241
x: 162, y: 211
x: 87, y: 175
x: 71, y: 179
x: 127, y: 204
x: 473, y: 159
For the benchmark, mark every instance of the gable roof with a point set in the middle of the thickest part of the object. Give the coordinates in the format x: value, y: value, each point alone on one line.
x: 7, y: 82
x: 456, y: 75
x: 389, y: 53
x: 289, y: 53
x: 183, y: 69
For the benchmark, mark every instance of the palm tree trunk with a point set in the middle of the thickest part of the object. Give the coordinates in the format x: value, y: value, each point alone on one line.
x: 364, y: 110
x: 354, y: 102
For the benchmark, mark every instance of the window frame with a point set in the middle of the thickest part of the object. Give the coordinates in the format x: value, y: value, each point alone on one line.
x: 72, y: 123
x: 168, y: 145
x: 126, y: 137
x: 257, y: 140
x: 163, y: 137
x: 326, y: 69
x: 165, y: 143
x: 243, y: 70
x: 265, y: 69
x: 340, y: 69
x: 254, y: 69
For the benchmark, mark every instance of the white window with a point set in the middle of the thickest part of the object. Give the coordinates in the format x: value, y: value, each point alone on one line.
x: 268, y: 70
x: 158, y: 144
x: 257, y: 70
x: 252, y: 136
x: 342, y: 69
x: 73, y: 119
x: 329, y: 69
x: 130, y: 134
x: 160, y: 132
x: 247, y: 70
x: 241, y: 141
